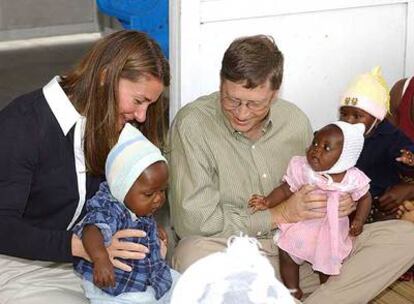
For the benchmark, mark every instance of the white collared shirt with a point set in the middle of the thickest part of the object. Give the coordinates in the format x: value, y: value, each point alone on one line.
x: 67, y: 116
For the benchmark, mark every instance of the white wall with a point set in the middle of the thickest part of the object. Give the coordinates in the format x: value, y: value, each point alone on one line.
x: 325, y: 43
x: 24, y: 19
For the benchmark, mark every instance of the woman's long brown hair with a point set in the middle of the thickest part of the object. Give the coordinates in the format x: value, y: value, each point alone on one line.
x: 92, y: 87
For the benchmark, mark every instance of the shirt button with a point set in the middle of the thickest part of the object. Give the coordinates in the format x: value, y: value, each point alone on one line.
x: 253, y: 147
x: 264, y: 175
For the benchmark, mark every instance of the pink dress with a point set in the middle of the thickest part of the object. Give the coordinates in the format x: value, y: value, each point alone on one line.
x: 325, y: 242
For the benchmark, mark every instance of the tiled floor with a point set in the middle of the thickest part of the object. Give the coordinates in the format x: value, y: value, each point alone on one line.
x: 30, y: 64
x: 397, y: 293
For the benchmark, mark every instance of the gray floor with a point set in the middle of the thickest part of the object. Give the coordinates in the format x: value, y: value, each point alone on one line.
x: 32, y: 66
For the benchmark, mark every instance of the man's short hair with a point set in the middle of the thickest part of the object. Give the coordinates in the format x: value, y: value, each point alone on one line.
x: 253, y: 60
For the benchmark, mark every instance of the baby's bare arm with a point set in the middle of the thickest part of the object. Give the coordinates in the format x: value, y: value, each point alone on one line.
x: 279, y: 194
x: 93, y: 241
x: 361, y: 214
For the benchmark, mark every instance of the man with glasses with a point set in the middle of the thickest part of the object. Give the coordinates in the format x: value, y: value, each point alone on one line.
x: 228, y: 145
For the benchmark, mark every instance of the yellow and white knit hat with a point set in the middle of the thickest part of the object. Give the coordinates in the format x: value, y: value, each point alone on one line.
x: 368, y: 92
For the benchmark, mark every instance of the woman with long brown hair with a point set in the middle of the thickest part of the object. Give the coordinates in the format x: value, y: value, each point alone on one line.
x: 53, y: 146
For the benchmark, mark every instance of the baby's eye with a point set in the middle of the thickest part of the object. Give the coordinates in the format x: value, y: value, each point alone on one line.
x: 149, y: 194
x: 327, y: 148
x: 138, y: 101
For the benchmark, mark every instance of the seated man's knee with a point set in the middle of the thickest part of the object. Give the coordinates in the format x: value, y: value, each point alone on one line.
x: 391, y: 234
x: 191, y: 249
x: 406, y: 233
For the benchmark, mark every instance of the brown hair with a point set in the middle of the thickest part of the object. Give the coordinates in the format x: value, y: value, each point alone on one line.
x: 253, y: 60
x: 92, y: 87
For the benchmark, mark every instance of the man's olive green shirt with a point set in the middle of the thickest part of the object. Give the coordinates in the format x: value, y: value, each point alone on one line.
x: 214, y: 169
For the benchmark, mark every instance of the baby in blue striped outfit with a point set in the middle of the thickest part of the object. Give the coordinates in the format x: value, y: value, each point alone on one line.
x: 137, y: 178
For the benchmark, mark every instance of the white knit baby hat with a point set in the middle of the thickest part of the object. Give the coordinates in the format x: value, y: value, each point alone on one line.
x: 132, y: 154
x: 352, y: 147
x: 239, y: 275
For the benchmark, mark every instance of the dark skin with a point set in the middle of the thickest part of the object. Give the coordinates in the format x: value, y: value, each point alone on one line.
x: 395, y: 100
x: 394, y: 196
x: 103, y: 270
x: 321, y: 155
x: 403, y: 191
x: 144, y: 198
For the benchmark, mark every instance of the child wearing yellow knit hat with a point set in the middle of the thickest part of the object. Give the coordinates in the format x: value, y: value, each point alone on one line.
x: 387, y: 152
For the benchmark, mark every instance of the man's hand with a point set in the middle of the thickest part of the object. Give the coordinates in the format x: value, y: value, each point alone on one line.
x: 302, y: 205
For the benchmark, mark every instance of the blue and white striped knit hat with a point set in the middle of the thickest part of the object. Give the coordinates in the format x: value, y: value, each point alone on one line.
x: 132, y: 154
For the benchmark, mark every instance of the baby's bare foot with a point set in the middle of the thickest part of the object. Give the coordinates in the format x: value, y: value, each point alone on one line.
x: 297, y: 293
x: 409, y: 205
x: 406, y: 211
x: 408, y: 216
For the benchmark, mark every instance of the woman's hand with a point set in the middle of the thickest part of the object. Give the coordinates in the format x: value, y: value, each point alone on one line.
x: 302, y: 205
x: 346, y: 205
x: 117, y: 249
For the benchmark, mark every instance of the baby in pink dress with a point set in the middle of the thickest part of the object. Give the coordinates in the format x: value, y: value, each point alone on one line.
x: 329, y: 165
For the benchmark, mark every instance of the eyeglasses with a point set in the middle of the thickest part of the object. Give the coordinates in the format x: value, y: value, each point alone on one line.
x: 232, y: 103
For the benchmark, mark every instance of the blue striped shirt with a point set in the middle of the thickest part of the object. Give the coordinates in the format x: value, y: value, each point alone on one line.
x: 109, y: 215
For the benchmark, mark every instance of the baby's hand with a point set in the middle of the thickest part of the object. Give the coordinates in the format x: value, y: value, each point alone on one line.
x: 407, y: 157
x: 163, y: 238
x: 356, y: 227
x: 103, y: 273
x: 162, y: 234
x: 163, y: 249
x: 258, y: 202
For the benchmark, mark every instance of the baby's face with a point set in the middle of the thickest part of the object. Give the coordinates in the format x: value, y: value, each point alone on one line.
x: 325, y: 149
x: 147, y: 194
x: 354, y: 115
